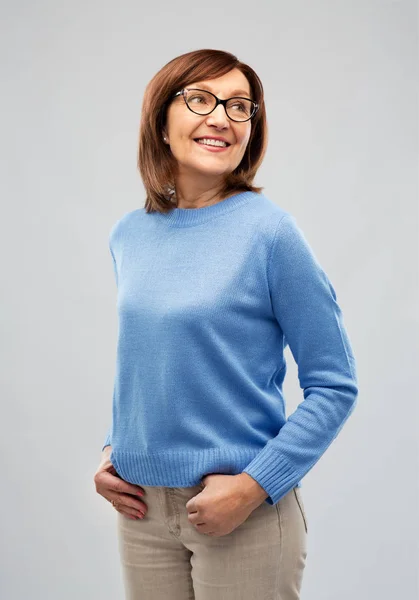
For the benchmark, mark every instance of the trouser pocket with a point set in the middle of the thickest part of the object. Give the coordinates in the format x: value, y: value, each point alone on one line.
x: 300, y: 503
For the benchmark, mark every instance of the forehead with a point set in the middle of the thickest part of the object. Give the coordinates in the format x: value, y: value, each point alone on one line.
x: 230, y: 84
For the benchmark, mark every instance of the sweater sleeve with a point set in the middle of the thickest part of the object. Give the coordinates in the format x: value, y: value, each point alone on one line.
x: 107, y: 440
x: 305, y: 307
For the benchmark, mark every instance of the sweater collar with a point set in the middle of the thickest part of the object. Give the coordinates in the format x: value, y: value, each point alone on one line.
x: 186, y: 217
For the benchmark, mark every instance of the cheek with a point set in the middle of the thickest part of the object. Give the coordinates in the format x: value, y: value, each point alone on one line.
x: 243, y: 144
x: 181, y: 125
x: 243, y: 137
x: 185, y: 134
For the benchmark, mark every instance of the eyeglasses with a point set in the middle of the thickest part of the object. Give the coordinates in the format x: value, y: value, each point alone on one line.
x: 202, y: 102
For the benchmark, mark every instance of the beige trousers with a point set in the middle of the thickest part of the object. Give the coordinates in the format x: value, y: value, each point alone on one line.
x: 164, y: 557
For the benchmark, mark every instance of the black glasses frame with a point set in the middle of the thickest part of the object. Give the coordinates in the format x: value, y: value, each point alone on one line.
x: 218, y: 101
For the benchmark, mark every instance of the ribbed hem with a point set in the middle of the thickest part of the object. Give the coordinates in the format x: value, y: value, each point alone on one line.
x: 186, y: 469
x: 187, y: 217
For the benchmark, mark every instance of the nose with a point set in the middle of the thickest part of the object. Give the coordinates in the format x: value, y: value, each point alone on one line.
x: 218, y: 117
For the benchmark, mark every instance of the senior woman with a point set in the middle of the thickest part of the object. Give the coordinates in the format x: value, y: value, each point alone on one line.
x: 214, y: 280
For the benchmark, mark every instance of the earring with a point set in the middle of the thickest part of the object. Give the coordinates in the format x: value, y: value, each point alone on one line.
x: 165, y: 138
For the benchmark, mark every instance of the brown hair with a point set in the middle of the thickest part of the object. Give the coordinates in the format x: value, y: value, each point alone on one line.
x: 156, y: 163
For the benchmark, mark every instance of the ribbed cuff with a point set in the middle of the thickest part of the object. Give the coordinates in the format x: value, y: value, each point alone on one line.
x: 274, y: 473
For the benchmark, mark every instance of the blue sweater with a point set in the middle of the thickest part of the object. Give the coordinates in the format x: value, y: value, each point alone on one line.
x: 207, y: 301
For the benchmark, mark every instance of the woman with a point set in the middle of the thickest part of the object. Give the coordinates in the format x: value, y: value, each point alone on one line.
x: 214, y: 281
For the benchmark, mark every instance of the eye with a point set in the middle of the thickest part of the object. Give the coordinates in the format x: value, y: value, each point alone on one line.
x: 242, y: 106
x: 199, y: 97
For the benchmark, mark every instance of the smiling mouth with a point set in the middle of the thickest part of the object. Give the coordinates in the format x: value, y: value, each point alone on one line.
x: 211, y: 145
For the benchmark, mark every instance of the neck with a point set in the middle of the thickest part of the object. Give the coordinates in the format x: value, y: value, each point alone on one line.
x: 197, y: 193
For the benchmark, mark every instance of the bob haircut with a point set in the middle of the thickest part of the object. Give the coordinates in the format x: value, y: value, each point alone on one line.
x: 156, y: 163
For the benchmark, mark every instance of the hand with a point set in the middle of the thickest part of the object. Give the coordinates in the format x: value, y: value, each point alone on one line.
x: 221, y: 506
x: 112, y: 487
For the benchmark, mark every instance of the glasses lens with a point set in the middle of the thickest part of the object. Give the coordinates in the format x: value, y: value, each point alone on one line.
x: 240, y: 109
x: 202, y: 103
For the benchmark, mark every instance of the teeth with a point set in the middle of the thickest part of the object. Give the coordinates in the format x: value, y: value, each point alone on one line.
x: 210, y: 142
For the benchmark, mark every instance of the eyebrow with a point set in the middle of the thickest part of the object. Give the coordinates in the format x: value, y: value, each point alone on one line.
x: 202, y: 86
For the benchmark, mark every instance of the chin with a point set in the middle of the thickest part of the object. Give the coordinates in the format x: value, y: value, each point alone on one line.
x: 205, y: 169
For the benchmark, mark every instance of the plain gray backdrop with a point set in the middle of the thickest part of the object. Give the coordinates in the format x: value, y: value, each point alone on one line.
x: 340, y: 79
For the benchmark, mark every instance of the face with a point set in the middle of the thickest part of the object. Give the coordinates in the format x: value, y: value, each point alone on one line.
x: 183, y: 126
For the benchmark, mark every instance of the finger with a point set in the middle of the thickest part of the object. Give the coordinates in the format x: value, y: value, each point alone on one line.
x: 131, y: 501
x: 130, y: 512
x: 117, y: 484
x: 126, y: 509
x: 122, y: 486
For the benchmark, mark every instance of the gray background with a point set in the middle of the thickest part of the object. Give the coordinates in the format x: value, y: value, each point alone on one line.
x: 341, y: 93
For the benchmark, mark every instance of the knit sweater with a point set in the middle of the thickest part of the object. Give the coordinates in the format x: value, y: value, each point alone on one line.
x: 207, y: 301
